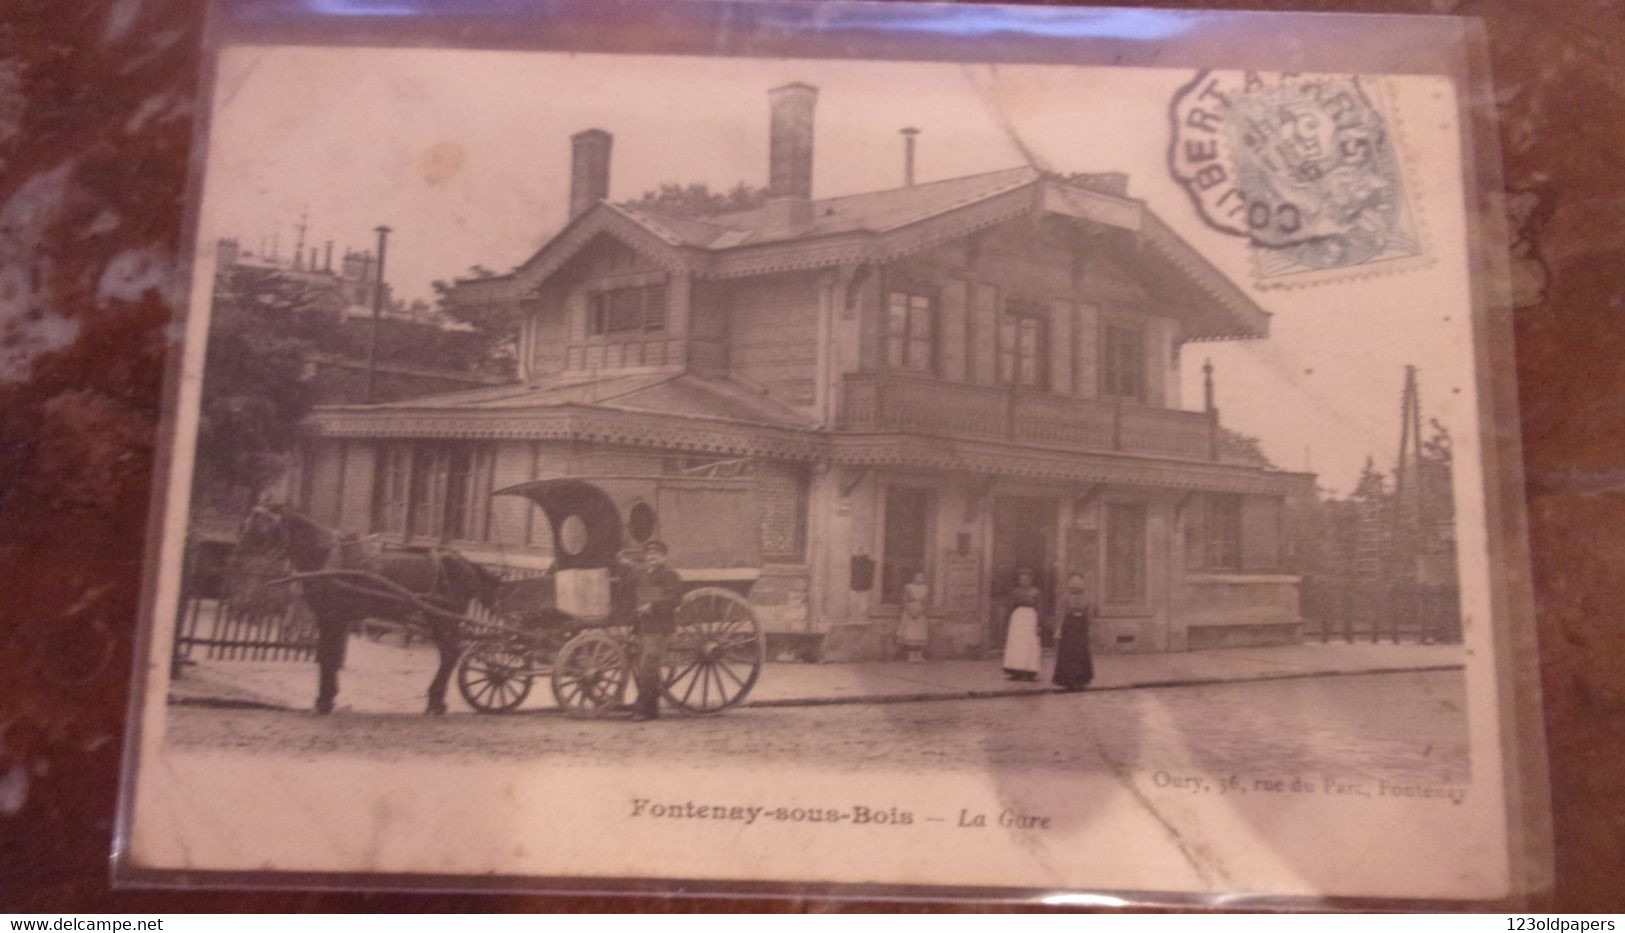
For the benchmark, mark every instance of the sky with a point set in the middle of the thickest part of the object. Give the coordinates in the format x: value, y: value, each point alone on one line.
x: 465, y: 155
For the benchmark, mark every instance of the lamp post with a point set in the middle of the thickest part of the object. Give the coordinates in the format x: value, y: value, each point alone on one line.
x: 377, y: 313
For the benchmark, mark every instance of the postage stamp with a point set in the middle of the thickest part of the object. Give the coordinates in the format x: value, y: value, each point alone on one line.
x: 1306, y: 167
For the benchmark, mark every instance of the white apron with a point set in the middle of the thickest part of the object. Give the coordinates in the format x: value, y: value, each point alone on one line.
x: 1021, y: 643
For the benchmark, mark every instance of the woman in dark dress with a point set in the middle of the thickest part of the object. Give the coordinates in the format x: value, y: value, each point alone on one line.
x: 1074, y: 668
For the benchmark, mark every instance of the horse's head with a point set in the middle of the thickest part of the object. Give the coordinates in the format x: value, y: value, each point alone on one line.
x: 265, y: 528
x: 278, y: 530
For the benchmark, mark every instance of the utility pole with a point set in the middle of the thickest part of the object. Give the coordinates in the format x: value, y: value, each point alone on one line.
x: 377, y: 313
x: 1406, y: 522
x: 299, y: 248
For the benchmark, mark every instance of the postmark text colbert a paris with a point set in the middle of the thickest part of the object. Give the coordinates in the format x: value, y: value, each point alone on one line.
x: 1305, y: 166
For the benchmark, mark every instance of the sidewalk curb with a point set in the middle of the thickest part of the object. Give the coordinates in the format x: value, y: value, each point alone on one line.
x: 921, y: 697
x: 1049, y: 691
x: 227, y: 703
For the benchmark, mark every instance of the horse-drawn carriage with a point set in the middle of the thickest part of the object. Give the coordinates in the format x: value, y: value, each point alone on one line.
x: 572, y: 622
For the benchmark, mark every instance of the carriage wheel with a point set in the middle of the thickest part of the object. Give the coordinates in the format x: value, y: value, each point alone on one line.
x: 494, y: 676
x: 716, y: 654
x: 590, y: 674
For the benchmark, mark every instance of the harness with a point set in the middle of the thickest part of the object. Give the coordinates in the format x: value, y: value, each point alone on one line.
x: 353, y: 557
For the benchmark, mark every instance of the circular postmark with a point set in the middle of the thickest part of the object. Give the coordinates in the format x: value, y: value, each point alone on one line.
x: 1301, y: 164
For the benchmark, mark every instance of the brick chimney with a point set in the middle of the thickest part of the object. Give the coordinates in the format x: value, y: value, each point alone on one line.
x: 909, y: 135
x: 790, y: 157
x: 790, y: 154
x: 589, y: 170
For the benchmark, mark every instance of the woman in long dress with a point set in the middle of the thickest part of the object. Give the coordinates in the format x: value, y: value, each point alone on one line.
x: 915, y: 628
x: 1074, y: 667
x: 1021, y: 651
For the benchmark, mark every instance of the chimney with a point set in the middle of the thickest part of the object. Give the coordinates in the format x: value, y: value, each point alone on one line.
x: 790, y: 156
x: 589, y: 170
x: 909, y: 133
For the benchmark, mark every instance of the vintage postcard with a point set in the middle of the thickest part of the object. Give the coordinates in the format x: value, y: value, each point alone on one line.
x: 713, y: 473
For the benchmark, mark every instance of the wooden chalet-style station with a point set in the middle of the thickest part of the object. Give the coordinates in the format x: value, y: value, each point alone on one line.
x: 959, y: 377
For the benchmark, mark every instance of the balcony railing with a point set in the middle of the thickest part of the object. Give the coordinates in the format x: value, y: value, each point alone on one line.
x: 916, y: 404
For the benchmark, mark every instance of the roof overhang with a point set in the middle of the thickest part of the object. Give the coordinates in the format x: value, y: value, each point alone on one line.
x: 1220, y: 310
x: 1211, y: 306
x: 571, y: 422
x: 1045, y: 464
x: 716, y: 437
x: 604, y: 219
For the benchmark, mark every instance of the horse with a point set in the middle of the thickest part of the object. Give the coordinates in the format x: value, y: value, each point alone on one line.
x: 343, y: 582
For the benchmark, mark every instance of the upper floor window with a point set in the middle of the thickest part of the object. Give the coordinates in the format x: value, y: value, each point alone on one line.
x: 1022, y: 345
x: 910, y: 332
x: 638, y: 309
x: 1123, y: 363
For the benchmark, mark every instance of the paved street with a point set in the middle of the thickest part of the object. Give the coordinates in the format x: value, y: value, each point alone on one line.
x: 385, y: 677
x: 1397, y: 726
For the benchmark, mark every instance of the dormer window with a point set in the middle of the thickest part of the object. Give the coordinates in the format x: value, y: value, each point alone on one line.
x: 635, y: 310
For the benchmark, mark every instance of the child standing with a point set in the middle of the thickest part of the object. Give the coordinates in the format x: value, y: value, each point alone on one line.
x: 915, y: 630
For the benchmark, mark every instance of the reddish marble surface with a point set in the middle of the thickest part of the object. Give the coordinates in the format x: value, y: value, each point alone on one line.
x: 96, y: 100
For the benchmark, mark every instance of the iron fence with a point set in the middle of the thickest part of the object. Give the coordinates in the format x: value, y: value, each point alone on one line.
x: 229, y: 611
x: 1375, y: 611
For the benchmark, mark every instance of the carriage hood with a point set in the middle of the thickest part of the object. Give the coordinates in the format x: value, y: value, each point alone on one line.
x: 706, y: 522
x: 586, y: 522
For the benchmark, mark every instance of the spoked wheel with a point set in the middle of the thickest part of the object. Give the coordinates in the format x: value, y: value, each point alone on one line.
x: 590, y: 674
x: 495, y: 676
x: 716, y: 654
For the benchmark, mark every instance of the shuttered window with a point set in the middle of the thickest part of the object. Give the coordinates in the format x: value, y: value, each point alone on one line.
x: 1024, y: 346
x: 1125, y: 553
x: 1123, y: 362
x: 433, y: 491
x: 639, y: 309
x: 1261, y: 533
x: 910, y: 332
x: 1223, y: 532
x: 1226, y: 532
x: 390, y: 489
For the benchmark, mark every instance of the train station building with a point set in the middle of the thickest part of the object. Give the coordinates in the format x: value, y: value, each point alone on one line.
x: 957, y: 377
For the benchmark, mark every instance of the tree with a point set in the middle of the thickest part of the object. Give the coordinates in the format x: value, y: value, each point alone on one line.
x: 264, y: 327
x: 696, y: 200
x: 1435, y: 464
x: 494, y: 346
x: 1236, y: 447
x: 1373, y: 485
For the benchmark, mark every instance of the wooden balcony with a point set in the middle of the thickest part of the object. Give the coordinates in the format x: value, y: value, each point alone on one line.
x: 914, y: 404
